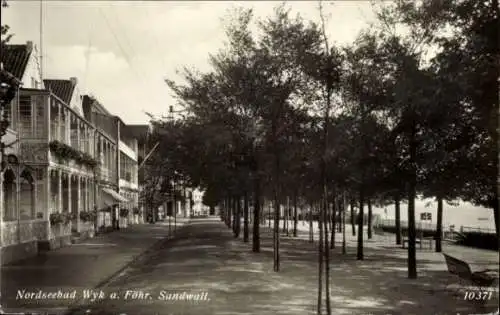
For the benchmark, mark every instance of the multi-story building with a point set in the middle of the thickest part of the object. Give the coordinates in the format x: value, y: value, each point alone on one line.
x: 106, y: 154
x: 61, y: 162
x: 128, y: 180
x: 49, y: 176
x: 141, y: 133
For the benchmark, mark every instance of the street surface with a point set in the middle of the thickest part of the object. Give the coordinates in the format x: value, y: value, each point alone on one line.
x: 205, y: 270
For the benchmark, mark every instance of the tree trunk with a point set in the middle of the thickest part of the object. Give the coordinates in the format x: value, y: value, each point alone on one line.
x: 245, y: 219
x: 439, y: 224
x: 369, y: 219
x: 344, y: 209
x: 340, y: 202
x: 270, y: 216
x: 256, y: 219
x: 295, y: 216
x: 327, y: 254
x: 333, y: 221
x: 352, y: 218
x: 320, y: 261
x: 285, y: 219
x: 230, y: 213
x: 397, y: 207
x: 276, y: 234
x: 495, y: 214
x: 311, y: 227
x: 359, y: 255
x: 233, y: 215
x: 237, y: 218
x: 412, y: 254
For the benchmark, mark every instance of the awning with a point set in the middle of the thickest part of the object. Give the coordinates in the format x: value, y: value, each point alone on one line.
x: 115, y: 196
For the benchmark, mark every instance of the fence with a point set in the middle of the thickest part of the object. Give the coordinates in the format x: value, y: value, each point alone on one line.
x: 465, y: 229
x: 432, y: 227
x: 404, y: 224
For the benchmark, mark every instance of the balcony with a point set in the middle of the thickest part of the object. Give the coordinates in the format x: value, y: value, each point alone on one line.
x: 128, y: 151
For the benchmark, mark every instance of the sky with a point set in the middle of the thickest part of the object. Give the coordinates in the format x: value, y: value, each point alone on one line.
x: 121, y: 52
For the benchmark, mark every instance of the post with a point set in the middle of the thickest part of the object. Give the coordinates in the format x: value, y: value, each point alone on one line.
x: 18, y: 201
x: 59, y: 190
x: 79, y: 202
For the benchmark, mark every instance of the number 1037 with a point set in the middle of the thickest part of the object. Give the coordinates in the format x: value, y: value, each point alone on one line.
x: 481, y: 295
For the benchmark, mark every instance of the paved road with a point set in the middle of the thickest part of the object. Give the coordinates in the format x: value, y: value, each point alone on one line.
x: 211, y: 272
x: 206, y: 271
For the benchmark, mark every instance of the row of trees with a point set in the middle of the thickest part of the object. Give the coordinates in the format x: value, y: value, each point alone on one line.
x: 410, y: 107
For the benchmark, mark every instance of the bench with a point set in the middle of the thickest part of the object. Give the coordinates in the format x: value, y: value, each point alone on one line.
x: 419, y: 239
x: 463, y: 271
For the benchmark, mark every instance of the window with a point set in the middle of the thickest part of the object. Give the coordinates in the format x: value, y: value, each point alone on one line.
x: 54, y: 191
x: 74, y: 133
x: 27, y: 196
x: 39, y: 117
x: 25, y: 116
x: 9, y: 190
x: 62, y: 124
x: 54, y: 119
x: 31, y: 116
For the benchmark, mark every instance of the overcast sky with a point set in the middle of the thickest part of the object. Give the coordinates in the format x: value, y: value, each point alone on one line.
x: 121, y: 51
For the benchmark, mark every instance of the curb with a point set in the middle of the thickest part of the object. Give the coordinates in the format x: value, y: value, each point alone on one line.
x: 70, y: 309
x: 136, y: 258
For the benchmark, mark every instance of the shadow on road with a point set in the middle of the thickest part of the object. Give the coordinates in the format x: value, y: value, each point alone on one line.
x: 205, y: 257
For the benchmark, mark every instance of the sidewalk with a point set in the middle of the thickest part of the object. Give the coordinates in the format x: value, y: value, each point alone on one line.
x: 82, y: 266
x: 379, y: 283
x: 476, y: 257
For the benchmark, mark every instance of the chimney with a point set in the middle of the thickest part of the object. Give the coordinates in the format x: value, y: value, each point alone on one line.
x: 73, y: 80
x: 29, y: 46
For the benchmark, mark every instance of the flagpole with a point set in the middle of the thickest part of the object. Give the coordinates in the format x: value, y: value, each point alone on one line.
x: 41, y: 41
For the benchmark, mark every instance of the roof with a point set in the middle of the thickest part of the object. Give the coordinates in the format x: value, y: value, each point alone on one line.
x: 15, y: 59
x: 62, y: 88
x: 95, y: 104
x: 138, y: 131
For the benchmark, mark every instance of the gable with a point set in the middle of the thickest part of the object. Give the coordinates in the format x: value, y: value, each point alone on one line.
x: 15, y: 59
x: 61, y: 88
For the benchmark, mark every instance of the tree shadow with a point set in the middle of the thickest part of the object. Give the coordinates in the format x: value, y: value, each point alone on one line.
x: 209, y: 258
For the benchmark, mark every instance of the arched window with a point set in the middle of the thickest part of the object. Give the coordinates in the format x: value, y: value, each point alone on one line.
x: 54, y: 191
x: 27, y: 195
x: 9, y: 191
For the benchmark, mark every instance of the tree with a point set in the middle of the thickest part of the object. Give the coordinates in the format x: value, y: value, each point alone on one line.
x: 468, y: 56
x: 5, y: 29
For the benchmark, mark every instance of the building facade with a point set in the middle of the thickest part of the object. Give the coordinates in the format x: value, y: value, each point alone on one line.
x: 141, y: 133
x: 128, y: 179
x: 61, y: 178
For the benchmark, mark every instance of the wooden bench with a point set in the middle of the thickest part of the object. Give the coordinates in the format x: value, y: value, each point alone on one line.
x: 463, y: 271
x: 419, y: 239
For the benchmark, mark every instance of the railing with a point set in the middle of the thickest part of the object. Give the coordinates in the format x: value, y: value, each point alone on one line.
x: 432, y: 227
x: 404, y: 224
x: 465, y: 229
